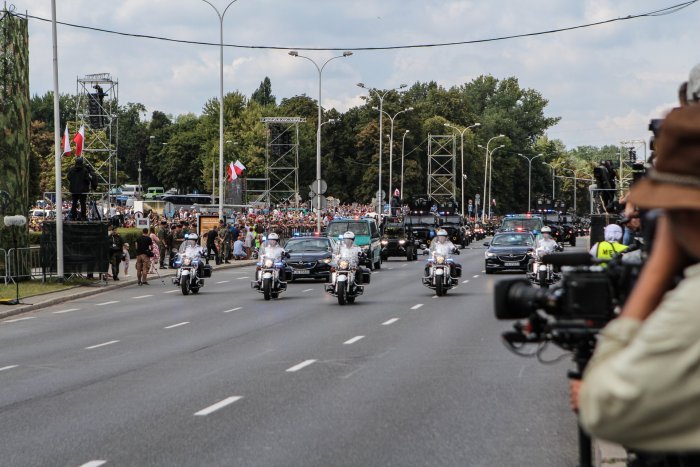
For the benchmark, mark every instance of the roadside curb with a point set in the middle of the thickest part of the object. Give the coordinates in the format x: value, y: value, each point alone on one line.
x: 56, y: 298
x: 607, y: 454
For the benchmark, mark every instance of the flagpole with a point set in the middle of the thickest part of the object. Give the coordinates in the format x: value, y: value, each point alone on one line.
x: 58, y: 148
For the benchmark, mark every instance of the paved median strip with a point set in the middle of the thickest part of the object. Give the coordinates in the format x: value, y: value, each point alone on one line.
x: 100, y: 345
x: 65, y: 311
x: 218, y: 405
x: 301, y: 365
x: 9, y: 367
x: 176, y: 325
x: 107, y: 303
x: 415, y: 307
x: 353, y: 340
x: 233, y: 309
x: 391, y: 321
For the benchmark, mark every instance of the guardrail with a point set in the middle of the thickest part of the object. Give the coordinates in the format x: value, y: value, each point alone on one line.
x: 23, y: 263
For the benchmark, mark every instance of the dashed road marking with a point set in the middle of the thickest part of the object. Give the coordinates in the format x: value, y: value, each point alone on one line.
x: 96, y: 463
x: 107, y: 303
x: 389, y: 269
x: 9, y: 367
x: 65, y: 311
x: 464, y: 282
x: 100, y: 345
x: 415, y: 307
x: 404, y: 265
x: 244, y: 277
x: 19, y: 319
x: 353, y: 340
x: 301, y: 365
x: 307, y: 290
x: 141, y: 296
x: 222, y: 282
x: 176, y: 325
x: 172, y: 291
x: 218, y: 405
x: 391, y: 321
x: 233, y: 309
x: 476, y: 276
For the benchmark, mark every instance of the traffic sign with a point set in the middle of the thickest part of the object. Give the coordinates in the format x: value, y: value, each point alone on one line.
x: 315, y: 202
x: 380, y: 195
x: 314, y: 187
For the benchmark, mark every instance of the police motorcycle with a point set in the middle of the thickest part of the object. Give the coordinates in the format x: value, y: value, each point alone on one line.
x: 348, y: 278
x: 441, y: 270
x: 541, y: 274
x: 191, y: 271
x: 270, y: 271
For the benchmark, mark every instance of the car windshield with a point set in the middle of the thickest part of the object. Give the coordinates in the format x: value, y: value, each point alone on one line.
x: 338, y: 228
x: 512, y: 240
x: 393, y: 231
x: 307, y: 244
x: 451, y: 220
x: 428, y: 220
x: 524, y: 224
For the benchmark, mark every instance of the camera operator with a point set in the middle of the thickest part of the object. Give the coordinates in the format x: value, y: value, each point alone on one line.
x: 611, y: 246
x: 642, y: 387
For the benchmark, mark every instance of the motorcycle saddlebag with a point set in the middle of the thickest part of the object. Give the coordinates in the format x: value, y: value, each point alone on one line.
x: 207, y: 271
x: 366, y: 275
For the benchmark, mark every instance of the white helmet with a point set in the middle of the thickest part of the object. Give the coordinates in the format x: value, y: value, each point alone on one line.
x: 273, y: 236
x: 349, y: 236
x: 441, y: 233
x: 192, y: 236
x: 546, y: 229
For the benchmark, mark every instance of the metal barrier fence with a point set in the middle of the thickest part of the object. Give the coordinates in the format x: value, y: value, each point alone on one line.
x: 23, y: 263
x: 3, y: 266
x: 289, y: 232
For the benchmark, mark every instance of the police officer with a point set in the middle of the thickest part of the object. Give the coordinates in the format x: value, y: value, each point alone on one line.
x: 163, y: 234
x: 611, y: 246
x: 546, y: 244
x: 442, y: 245
x: 224, y: 242
x: 115, y: 252
x: 348, y: 250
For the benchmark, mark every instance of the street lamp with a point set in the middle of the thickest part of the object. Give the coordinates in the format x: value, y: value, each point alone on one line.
x: 490, y: 172
x: 486, y: 170
x: 381, y: 97
x: 221, y: 103
x: 391, y: 140
x: 553, y: 176
x: 294, y: 53
x: 576, y: 179
x: 403, y: 141
x: 529, y: 177
x: 461, y: 151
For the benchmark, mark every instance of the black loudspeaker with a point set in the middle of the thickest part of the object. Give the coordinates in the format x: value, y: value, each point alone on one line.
x: 598, y: 223
x: 85, y: 247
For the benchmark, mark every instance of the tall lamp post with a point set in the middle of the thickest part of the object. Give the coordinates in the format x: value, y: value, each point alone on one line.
x: 221, y: 102
x: 381, y: 97
x: 491, y: 172
x: 391, y: 140
x: 461, y: 151
x: 529, y: 177
x: 294, y: 53
x: 403, y: 142
x: 554, y: 175
x: 486, y: 171
x: 576, y: 179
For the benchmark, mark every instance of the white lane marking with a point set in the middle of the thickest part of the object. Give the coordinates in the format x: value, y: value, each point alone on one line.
x: 9, y: 367
x: 307, y: 290
x: 65, y: 311
x: 244, y: 277
x: 101, y: 345
x: 172, y: 291
x: 476, y: 276
x: 232, y: 309
x: 389, y: 269
x: 141, y: 296
x: 176, y: 325
x: 464, y: 282
x: 222, y: 282
x: 415, y: 307
x: 391, y: 321
x: 107, y: 303
x: 483, y: 270
x: 94, y: 463
x: 353, y: 340
x: 19, y: 319
x: 434, y: 296
x: 404, y: 265
x: 300, y: 366
x: 218, y: 405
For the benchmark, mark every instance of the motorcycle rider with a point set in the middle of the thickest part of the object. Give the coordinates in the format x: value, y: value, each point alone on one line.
x: 442, y: 245
x: 273, y: 250
x: 351, y: 252
x: 191, y: 247
x: 547, y: 244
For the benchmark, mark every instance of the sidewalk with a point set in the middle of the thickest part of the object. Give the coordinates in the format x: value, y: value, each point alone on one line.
x: 45, y: 300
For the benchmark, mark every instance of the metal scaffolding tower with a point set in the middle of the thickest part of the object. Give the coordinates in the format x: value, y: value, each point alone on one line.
x: 442, y: 167
x: 281, y: 160
x: 96, y: 110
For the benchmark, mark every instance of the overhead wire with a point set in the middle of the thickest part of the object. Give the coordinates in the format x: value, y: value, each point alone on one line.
x: 654, y: 13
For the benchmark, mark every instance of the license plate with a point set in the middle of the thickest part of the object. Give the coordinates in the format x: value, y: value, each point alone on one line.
x: 511, y: 264
x: 301, y: 271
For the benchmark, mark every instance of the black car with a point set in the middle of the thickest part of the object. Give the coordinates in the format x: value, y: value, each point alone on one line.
x: 310, y: 257
x: 397, y: 241
x: 509, y: 250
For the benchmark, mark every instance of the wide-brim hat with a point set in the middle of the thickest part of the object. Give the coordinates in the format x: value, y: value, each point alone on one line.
x: 674, y: 182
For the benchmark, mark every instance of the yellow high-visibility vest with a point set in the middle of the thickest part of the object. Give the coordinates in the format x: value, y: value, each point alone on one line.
x: 606, y: 250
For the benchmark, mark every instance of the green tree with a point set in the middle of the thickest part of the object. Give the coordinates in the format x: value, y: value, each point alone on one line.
x: 263, y: 95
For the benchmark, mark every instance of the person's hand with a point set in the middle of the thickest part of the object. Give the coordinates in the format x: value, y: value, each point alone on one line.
x: 574, y: 388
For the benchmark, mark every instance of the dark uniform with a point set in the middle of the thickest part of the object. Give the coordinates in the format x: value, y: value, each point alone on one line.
x: 115, y: 253
x: 164, y: 242
x: 225, y: 242
x: 81, y: 179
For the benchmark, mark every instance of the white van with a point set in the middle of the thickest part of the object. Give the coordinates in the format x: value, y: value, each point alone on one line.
x: 132, y: 191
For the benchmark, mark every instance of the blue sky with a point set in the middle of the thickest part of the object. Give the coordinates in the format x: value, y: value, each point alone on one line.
x: 605, y: 82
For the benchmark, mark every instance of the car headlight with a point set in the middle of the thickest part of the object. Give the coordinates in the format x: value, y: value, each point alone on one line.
x: 268, y: 263
x: 385, y: 242
x: 488, y: 254
x: 401, y: 242
x: 440, y: 260
x: 344, y: 264
x: 326, y: 260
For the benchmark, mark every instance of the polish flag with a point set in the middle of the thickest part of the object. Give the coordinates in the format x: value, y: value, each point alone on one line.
x: 231, y: 172
x: 65, y: 142
x: 238, y: 167
x: 79, y: 138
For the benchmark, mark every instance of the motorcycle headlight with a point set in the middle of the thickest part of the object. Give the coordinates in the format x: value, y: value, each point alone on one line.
x: 401, y: 242
x: 385, y: 242
x: 488, y: 254
x: 187, y: 261
x: 268, y: 263
x: 344, y: 264
x: 440, y: 260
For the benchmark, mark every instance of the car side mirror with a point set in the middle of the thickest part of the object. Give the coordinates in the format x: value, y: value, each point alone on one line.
x: 487, y: 243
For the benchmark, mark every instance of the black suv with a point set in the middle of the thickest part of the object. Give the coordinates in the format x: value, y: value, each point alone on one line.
x: 398, y: 241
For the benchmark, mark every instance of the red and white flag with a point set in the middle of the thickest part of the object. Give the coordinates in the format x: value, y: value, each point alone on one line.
x: 231, y: 172
x: 79, y: 138
x: 65, y: 142
x: 238, y: 167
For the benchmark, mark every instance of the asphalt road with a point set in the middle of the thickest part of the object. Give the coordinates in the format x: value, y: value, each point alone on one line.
x: 143, y: 376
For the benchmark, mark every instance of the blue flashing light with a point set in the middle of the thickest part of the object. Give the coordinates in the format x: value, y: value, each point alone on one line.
x: 279, y: 264
x: 296, y: 234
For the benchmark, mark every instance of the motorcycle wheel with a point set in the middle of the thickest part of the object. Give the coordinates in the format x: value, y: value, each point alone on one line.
x: 267, y: 288
x: 542, y: 279
x: 195, y: 290
x: 440, y: 289
x: 341, y: 296
x: 185, y: 287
